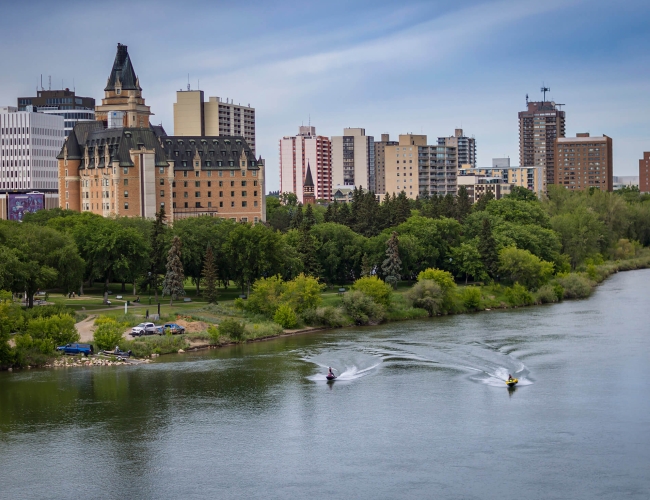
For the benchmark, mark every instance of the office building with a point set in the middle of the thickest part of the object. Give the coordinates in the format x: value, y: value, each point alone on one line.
x: 539, y: 126
x: 111, y: 169
x: 353, y: 159
x: 195, y: 117
x: 465, y: 147
x: 644, y: 173
x: 65, y: 103
x: 419, y: 169
x: 380, y: 162
x: 584, y: 162
x: 302, y: 152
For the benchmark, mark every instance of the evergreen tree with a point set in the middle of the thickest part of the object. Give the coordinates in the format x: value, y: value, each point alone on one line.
x: 386, y: 213
x: 463, y: 204
x: 175, y: 278
x: 344, y: 214
x: 296, y: 218
x: 366, y: 267
x: 157, y: 250
x: 392, y: 265
x: 210, y: 276
x: 449, y: 206
x: 308, y: 220
x: 402, y: 209
x: 487, y: 247
x: 329, y: 214
x: 307, y: 251
x: 481, y: 203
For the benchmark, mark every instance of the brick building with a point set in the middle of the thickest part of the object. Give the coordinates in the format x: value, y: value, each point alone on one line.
x: 584, y: 162
x: 109, y: 167
x: 644, y: 173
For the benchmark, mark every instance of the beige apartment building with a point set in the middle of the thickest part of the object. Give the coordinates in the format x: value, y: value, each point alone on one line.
x: 353, y: 159
x: 418, y: 169
x: 478, y: 185
x: 584, y: 162
x: 380, y: 162
x: 195, y: 117
x: 532, y: 178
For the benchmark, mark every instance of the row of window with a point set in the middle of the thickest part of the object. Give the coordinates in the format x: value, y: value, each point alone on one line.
x: 197, y: 204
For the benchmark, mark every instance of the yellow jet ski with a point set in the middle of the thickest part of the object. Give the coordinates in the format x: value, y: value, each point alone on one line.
x: 511, y: 382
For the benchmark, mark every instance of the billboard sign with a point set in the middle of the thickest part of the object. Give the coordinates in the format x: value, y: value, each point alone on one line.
x: 20, y: 204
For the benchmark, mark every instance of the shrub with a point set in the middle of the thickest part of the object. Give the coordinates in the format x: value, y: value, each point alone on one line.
x: 302, y: 292
x: 471, y: 297
x: 426, y: 294
x: 521, y: 266
x: 445, y: 281
x: 324, y: 316
x: 231, y: 328
x: 362, y: 309
x: 108, y: 334
x: 374, y: 288
x: 213, y: 332
x: 576, y: 286
x: 146, y: 346
x: 547, y: 295
x: 239, y: 303
x: 559, y: 291
x: 285, y: 316
x: 266, y: 329
x: 265, y: 297
x: 56, y: 330
x: 517, y: 295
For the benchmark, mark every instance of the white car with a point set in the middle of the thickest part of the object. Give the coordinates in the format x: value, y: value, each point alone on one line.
x: 143, y: 329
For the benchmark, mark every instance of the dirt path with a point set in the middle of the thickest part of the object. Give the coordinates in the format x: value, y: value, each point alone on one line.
x: 86, y: 328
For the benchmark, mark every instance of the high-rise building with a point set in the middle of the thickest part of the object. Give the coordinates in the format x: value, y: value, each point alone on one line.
x: 109, y: 168
x: 193, y: 117
x: 353, y: 159
x: 465, y: 147
x: 584, y: 162
x: 300, y: 152
x: 65, y: 103
x: 419, y: 169
x: 380, y: 162
x: 644, y: 173
x: 539, y: 126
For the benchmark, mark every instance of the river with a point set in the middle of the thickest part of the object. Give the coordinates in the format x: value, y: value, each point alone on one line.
x: 420, y: 410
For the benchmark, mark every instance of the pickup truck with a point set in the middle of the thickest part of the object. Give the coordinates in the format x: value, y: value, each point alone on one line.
x: 146, y: 329
x: 174, y: 328
x: 85, y: 349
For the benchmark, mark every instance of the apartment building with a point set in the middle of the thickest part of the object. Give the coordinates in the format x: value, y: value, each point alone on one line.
x: 532, y: 178
x: 353, y: 159
x: 644, y: 173
x: 300, y: 153
x: 64, y: 103
x: 584, y: 162
x: 193, y: 116
x: 465, y: 147
x: 380, y: 162
x: 539, y: 126
x: 419, y: 169
x: 478, y: 185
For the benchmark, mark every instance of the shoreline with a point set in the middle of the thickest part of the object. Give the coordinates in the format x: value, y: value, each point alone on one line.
x: 607, y: 269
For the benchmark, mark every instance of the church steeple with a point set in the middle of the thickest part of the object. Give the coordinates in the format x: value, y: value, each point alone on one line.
x: 308, y: 195
x: 122, y: 75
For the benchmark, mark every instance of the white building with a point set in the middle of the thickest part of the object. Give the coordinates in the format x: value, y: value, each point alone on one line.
x: 353, y: 159
x: 301, y: 151
x: 29, y: 143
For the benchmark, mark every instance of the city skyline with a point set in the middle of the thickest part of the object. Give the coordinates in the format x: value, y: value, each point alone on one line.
x: 345, y: 65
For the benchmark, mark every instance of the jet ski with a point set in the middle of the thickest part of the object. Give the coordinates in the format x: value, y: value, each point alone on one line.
x: 511, y: 382
x: 330, y: 377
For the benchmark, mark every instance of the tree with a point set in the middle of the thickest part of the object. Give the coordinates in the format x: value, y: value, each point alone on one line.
x: 366, y: 268
x: 427, y: 295
x: 108, y: 333
x: 445, y: 281
x: 521, y: 266
x: 467, y: 259
x: 375, y: 288
x: 487, y: 247
x: 307, y: 251
x: 392, y: 265
x: 174, y: 278
x: 296, y: 217
x: 463, y: 204
x: 482, y: 203
x: 210, y: 276
x: 302, y: 293
x: 581, y: 233
x: 522, y: 194
x: 309, y: 220
x: 158, y: 242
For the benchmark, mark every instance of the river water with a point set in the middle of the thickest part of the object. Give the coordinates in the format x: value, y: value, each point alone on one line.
x: 420, y: 410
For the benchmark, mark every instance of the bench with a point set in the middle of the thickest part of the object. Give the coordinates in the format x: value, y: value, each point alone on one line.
x: 187, y: 299
x: 118, y: 297
x: 341, y: 291
x: 243, y: 296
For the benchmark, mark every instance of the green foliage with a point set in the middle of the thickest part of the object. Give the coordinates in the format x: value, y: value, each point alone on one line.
x: 302, y: 292
x: 392, y: 265
x: 173, y: 285
x: 559, y: 291
x: 54, y: 331
x: 523, y: 267
x: 213, y: 332
x: 575, y: 285
x: 445, y: 281
x: 155, y: 344
x: 108, y: 333
x: 374, y: 288
x: 467, y: 260
x: 324, y: 316
x: 488, y: 249
x: 265, y: 295
x: 546, y: 295
x: 518, y: 296
x: 285, y: 316
x: 231, y: 328
x: 210, y: 276
x: 426, y: 294
x: 362, y: 309
x: 471, y: 297
x: 581, y: 234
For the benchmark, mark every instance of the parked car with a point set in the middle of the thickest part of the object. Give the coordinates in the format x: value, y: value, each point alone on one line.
x: 174, y: 328
x: 146, y: 329
x: 85, y: 349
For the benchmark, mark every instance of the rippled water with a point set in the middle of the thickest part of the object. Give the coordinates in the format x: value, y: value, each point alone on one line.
x: 419, y: 410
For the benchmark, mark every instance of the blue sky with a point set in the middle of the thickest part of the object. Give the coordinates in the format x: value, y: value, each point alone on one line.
x: 390, y: 67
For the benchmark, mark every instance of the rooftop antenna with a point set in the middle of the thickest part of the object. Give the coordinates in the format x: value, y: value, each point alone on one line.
x: 74, y: 88
x: 188, y: 81
x: 49, y: 87
x: 545, y: 89
x: 41, y: 81
x: 526, y: 99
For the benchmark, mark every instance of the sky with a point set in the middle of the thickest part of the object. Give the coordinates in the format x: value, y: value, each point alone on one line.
x: 423, y: 67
